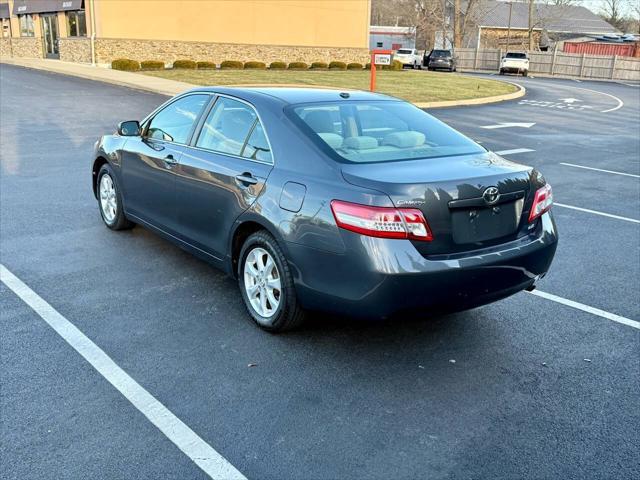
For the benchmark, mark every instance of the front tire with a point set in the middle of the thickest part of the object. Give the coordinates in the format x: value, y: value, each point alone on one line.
x: 266, y: 284
x: 525, y: 73
x: 110, y: 200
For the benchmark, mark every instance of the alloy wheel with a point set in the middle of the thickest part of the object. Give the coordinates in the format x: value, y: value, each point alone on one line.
x: 262, y: 282
x: 108, y: 202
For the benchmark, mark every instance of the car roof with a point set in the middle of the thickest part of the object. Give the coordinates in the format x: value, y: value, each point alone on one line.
x: 295, y: 95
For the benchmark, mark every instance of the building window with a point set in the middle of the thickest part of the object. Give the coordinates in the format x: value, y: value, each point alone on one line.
x: 26, y: 25
x: 379, y: 44
x: 6, y: 28
x: 77, y: 23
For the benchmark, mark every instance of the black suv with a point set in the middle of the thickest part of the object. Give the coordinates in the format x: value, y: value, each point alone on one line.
x: 440, y: 59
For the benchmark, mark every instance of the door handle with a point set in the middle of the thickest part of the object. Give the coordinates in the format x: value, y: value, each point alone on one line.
x: 169, y: 161
x: 246, y: 179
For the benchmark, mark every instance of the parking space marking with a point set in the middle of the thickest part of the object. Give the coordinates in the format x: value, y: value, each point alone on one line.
x: 599, y: 169
x: 620, y: 102
x: 200, y: 452
x: 617, y: 217
x: 513, y: 151
x: 586, y: 308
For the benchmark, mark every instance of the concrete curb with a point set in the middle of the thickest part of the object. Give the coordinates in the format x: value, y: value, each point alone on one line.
x: 171, y: 87
x: 477, y: 101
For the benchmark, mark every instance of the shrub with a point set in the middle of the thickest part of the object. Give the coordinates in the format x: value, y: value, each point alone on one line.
x: 152, y: 65
x: 231, y: 65
x: 395, y: 65
x: 206, y: 65
x: 337, y: 66
x: 354, y: 66
x: 319, y: 66
x: 255, y: 65
x: 125, y: 64
x: 189, y: 64
x: 298, y: 66
x: 277, y: 65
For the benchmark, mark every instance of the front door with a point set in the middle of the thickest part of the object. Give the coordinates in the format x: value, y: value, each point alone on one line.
x: 50, y: 35
x: 149, y: 162
x: 221, y: 175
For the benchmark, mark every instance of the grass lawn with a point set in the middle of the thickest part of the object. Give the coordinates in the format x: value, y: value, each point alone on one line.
x: 411, y: 85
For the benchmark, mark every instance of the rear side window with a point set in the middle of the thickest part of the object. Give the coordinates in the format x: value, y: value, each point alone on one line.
x: 380, y: 131
x: 404, y: 51
x: 516, y: 55
x: 232, y: 127
x: 174, y: 122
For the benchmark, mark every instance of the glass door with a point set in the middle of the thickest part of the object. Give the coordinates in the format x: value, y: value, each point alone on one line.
x: 50, y: 35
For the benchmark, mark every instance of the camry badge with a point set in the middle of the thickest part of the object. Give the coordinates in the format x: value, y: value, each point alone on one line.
x: 491, y: 195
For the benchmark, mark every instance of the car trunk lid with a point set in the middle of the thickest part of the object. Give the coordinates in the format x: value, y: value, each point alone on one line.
x: 469, y: 201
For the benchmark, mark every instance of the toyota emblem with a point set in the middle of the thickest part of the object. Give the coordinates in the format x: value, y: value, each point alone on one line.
x: 491, y: 195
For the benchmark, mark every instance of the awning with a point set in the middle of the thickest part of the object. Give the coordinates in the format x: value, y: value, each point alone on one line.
x: 20, y: 7
x: 4, y: 10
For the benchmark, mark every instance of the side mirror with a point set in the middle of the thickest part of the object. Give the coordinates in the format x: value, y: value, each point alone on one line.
x: 130, y: 128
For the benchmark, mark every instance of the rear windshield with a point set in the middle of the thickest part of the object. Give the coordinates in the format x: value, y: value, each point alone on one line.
x: 404, y: 51
x: 379, y: 131
x: 516, y: 55
x: 441, y: 53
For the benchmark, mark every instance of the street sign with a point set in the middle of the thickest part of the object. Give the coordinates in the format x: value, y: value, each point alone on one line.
x: 382, y: 59
x: 378, y: 57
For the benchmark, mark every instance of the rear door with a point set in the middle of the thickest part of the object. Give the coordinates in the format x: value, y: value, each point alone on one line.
x: 149, y: 161
x: 221, y: 174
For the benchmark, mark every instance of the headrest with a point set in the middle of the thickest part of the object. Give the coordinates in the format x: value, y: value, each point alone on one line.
x: 404, y: 139
x: 360, y: 143
x: 332, y: 139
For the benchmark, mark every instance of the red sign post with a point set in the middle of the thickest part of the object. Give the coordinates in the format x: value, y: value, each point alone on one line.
x: 378, y: 57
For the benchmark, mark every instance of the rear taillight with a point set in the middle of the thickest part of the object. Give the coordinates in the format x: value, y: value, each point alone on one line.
x: 384, y: 222
x: 542, y: 202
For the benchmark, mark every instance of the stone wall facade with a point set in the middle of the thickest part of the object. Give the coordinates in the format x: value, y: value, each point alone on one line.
x: 168, y: 51
x: 25, y: 47
x: 5, y: 47
x: 75, y: 49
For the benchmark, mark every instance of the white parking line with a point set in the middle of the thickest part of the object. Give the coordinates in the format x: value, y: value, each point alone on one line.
x: 586, y: 308
x: 600, y: 170
x: 200, y: 452
x: 617, y: 217
x: 515, y: 150
x: 620, y: 102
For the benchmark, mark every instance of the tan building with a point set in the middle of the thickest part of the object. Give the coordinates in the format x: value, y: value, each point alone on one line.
x: 98, y: 31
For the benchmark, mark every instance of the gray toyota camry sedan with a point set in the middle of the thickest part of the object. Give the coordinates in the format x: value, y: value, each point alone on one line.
x: 318, y: 199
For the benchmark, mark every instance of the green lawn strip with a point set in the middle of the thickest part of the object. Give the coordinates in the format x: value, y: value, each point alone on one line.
x: 410, y: 85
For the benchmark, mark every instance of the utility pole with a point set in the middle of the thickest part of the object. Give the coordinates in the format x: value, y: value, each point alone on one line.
x: 457, y: 25
x: 509, y: 27
x: 531, y: 23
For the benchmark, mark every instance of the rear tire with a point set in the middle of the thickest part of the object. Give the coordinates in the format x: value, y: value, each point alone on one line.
x: 266, y: 284
x: 110, y: 200
x: 501, y: 72
x: 525, y: 73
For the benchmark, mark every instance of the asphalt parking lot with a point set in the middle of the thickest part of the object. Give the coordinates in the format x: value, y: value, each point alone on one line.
x: 527, y: 387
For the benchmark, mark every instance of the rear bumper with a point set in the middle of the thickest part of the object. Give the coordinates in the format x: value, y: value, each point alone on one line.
x: 377, y: 277
x: 440, y: 64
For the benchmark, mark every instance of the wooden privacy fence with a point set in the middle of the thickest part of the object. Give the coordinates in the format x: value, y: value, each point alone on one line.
x: 612, y: 67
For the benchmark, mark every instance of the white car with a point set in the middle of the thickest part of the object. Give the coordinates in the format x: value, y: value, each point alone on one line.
x: 409, y: 57
x: 515, y: 62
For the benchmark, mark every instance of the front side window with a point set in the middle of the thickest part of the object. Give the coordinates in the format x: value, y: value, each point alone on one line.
x: 232, y: 127
x: 175, y: 122
x: 380, y: 131
x: 77, y: 23
x: 26, y: 25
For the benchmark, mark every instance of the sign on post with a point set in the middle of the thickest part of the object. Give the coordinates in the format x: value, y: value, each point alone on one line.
x: 378, y: 57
